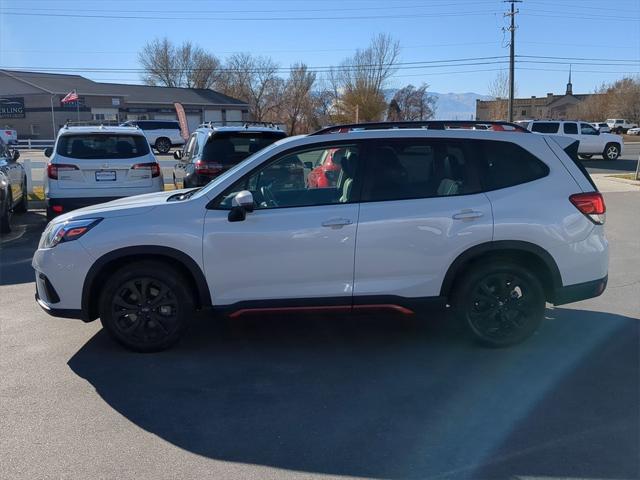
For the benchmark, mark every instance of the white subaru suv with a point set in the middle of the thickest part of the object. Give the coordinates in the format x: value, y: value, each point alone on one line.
x: 491, y: 224
x: 96, y: 164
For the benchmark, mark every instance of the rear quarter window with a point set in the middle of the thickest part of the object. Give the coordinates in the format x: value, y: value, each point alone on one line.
x: 94, y: 146
x: 505, y: 164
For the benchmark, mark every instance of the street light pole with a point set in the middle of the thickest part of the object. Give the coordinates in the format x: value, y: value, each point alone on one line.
x: 512, y: 30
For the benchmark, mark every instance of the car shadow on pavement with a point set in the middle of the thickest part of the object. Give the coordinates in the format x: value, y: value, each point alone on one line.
x: 17, y: 248
x: 385, y: 397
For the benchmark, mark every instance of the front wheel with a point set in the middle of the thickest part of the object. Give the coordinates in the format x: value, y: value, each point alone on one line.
x: 163, y: 145
x: 611, y: 151
x: 146, y: 306
x: 500, y: 303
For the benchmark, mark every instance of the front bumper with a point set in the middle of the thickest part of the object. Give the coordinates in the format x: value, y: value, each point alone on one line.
x: 60, y: 312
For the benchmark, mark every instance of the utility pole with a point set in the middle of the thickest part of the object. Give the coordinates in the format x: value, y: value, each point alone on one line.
x: 512, y: 30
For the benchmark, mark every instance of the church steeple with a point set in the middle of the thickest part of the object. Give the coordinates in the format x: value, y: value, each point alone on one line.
x: 569, y: 84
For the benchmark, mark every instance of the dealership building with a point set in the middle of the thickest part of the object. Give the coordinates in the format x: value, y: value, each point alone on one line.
x: 30, y: 102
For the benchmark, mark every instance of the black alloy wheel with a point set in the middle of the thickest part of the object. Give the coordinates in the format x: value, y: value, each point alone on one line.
x: 146, y: 306
x: 501, y: 304
x: 163, y: 145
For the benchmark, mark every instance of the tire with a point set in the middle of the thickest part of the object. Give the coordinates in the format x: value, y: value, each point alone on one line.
x: 619, y: 131
x: 23, y: 205
x: 155, y: 323
x: 500, y: 303
x: 585, y: 157
x: 163, y: 145
x: 5, y: 215
x: 611, y: 151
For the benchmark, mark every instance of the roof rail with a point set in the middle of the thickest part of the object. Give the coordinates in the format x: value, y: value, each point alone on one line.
x: 239, y: 123
x: 425, y: 124
x: 92, y: 123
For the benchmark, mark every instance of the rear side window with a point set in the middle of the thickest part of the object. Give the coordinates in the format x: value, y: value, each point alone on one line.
x: 545, y: 127
x: 93, y: 146
x: 505, y: 164
x: 570, y: 128
x: 231, y: 148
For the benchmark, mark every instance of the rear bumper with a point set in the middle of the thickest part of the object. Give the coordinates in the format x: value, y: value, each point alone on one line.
x: 75, y: 203
x: 580, y: 291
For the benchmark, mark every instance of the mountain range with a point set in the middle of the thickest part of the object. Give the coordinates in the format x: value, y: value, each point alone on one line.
x: 451, y: 106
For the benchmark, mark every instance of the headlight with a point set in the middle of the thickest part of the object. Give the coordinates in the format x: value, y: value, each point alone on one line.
x: 67, y: 231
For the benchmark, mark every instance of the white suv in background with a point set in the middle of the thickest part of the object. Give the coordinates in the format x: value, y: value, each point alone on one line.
x: 592, y: 142
x: 620, y: 125
x: 90, y: 165
x: 162, y: 134
x: 492, y: 223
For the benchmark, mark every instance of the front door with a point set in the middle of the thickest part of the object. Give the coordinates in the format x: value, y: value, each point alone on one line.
x: 297, y: 247
x: 590, y: 141
x: 421, y: 207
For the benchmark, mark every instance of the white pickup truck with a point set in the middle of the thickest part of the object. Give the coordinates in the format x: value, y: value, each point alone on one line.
x: 592, y: 142
x: 620, y: 125
x: 9, y: 136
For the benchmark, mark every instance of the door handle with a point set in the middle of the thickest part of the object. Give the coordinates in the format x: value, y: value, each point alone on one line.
x: 336, y: 222
x: 467, y: 215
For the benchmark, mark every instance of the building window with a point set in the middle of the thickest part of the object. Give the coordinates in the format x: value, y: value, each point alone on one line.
x: 524, y: 113
x: 34, y: 129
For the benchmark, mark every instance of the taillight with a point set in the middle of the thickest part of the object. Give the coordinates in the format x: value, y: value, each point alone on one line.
x: 8, y: 133
x: 153, y: 166
x: 54, y: 168
x: 591, y: 204
x: 207, y: 168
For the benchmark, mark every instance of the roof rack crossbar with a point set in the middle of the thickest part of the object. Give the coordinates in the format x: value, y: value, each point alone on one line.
x: 92, y: 123
x: 424, y: 124
x: 241, y: 123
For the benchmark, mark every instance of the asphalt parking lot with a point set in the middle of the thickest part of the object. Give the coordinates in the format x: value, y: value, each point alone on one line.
x: 301, y: 397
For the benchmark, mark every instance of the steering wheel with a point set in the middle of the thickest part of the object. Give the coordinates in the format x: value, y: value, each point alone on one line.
x: 268, y: 197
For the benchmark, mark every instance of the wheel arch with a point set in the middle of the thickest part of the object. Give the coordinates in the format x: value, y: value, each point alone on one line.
x: 110, y: 262
x: 524, y: 253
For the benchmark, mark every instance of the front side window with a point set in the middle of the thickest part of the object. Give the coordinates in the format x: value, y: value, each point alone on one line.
x: 545, y: 127
x: 570, y: 129
x: 415, y: 168
x: 586, y: 129
x: 101, y: 145
x: 283, y: 182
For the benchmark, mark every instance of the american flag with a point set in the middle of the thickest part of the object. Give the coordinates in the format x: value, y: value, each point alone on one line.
x: 70, y: 97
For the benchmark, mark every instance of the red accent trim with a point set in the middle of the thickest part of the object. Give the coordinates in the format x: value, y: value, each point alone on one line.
x: 321, y: 308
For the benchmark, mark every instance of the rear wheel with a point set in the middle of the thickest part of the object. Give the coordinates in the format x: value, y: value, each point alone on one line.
x: 23, y: 205
x: 611, y: 152
x: 163, y: 145
x: 500, y: 303
x: 146, y: 306
x: 5, y: 215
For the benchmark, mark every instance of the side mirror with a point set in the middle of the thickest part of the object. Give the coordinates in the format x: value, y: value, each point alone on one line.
x: 177, y: 154
x: 48, y: 151
x: 240, y: 205
x: 15, y: 155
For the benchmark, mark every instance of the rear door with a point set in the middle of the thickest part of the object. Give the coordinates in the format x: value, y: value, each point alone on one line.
x: 422, y: 206
x: 103, y: 161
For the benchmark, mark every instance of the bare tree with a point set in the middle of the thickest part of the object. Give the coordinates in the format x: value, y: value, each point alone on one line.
x: 297, y: 104
x: 171, y: 66
x: 359, y: 81
x: 414, y: 103
x: 499, y: 90
x: 621, y: 99
x: 253, y: 79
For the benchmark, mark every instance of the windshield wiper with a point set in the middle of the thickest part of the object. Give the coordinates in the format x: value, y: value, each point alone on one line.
x: 183, y: 196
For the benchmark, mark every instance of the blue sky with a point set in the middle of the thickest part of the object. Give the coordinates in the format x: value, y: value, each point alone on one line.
x: 322, y: 33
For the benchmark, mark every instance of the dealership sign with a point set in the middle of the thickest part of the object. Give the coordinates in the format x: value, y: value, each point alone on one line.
x: 11, y: 107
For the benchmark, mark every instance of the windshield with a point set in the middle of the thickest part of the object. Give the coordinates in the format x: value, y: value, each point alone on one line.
x: 102, y: 145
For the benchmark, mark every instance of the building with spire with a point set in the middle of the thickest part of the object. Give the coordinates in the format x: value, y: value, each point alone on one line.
x: 551, y: 106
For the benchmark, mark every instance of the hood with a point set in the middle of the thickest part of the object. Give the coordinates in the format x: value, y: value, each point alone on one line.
x: 134, y: 205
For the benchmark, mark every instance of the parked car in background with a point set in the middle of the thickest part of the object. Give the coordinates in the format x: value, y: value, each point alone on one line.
x: 14, y: 196
x: 96, y: 164
x: 443, y: 217
x: 10, y: 137
x: 592, y: 142
x: 211, y: 150
x: 620, y: 125
x: 162, y: 134
x: 602, y: 127
x: 325, y: 171
x: 634, y: 131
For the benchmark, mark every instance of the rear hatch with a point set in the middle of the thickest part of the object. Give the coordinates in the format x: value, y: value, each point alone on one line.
x: 223, y: 150
x: 103, y: 161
